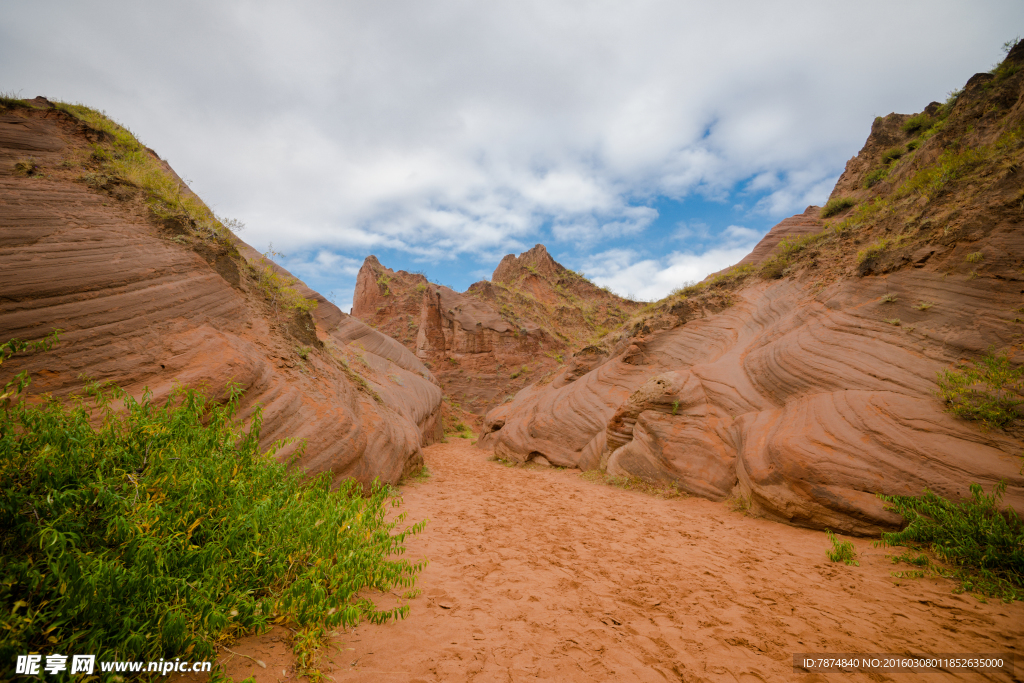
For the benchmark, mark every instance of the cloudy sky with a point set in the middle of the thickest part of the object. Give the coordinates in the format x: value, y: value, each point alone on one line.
x: 645, y: 143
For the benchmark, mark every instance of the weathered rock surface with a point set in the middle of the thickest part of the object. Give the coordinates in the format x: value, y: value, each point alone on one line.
x: 498, y: 336
x: 809, y: 394
x: 146, y: 306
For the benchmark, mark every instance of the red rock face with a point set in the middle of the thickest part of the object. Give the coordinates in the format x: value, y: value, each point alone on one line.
x: 809, y: 394
x: 492, y: 340
x: 147, y: 308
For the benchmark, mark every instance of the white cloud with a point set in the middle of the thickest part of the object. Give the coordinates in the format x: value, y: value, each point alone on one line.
x: 448, y: 128
x: 626, y: 273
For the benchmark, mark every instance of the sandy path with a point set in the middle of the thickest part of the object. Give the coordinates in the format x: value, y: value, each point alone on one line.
x: 538, y: 574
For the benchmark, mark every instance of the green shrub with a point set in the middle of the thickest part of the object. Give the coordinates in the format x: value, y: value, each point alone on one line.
x: 26, y: 167
x: 841, y: 552
x: 891, y: 155
x: 836, y: 205
x: 875, y: 177
x: 985, y: 545
x: 383, y: 280
x: 872, y: 251
x: 917, y: 123
x: 162, y: 530
x: 420, y: 288
x: 989, y: 390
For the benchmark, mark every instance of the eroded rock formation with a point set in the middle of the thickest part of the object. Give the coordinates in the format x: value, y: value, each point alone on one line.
x: 149, y: 304
x: 498, y: 336
x: 804, y: 379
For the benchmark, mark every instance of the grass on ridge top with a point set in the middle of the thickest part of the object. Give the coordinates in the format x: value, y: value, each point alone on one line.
x: 162, y: 531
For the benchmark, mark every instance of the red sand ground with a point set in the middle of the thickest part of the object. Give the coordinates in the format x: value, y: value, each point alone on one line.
x: 539, y: 574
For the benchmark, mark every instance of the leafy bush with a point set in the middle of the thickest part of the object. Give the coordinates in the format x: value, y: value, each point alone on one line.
x: 160, y: 531
x: 841, y: 552
x: 872, y: 251
x: 383, y: 280
x: 875, y: 177
x: 836, y: 205
x: 984, y: 544
x: 26, y: 167
x: 917, y: 123
x: 891, y: 155
x: 989, y: 390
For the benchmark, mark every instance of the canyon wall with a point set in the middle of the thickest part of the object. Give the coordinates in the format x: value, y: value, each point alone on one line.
x: 803, y: 381
x: 149, y: 304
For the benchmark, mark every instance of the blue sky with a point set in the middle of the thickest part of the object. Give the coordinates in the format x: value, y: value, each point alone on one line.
x: 647, y: 143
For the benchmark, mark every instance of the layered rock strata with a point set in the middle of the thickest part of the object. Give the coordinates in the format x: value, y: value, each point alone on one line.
x: 808, y: 386
x: 149, y: 305
x: 498, y: 336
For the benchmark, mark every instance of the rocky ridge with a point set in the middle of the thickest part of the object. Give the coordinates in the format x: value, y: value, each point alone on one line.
x: 802, y: 381
x: 149, y: 300
x: 492, y: 340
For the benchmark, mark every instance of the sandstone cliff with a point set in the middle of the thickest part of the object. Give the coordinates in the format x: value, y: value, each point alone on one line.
x: 149, y: 297
x: 803, y: 380
x: 498, y: 336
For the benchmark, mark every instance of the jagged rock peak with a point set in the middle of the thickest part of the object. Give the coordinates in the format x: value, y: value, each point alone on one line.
x: 536, y: 260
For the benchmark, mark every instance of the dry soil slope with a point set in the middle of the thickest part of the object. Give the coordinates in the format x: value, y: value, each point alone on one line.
x: 498, y: 336
x: 147, y: 305
x: 809, y: 387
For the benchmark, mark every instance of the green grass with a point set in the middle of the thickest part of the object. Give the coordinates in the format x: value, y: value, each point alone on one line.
x: 872, y: 251
x: 917, y: 124
x: 924, y: 305
x: 836, y: 205
x: 889, y: 298
x: 875, y: 177
x: 162, y: 531
x: 122, y: 156
x: 975, y: 257
x: 983, y: 544
x: 989, y: 390
x: 841, y: 552
x: 891, y: 155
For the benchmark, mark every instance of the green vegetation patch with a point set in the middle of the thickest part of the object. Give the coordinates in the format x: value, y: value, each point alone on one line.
x: 990, y: 390
x: 836, y: 205
x: 891, y: 155
x: 876, y: 176
x: 841, y: 551
x: 629, y: 483
x: 983, y: 544
x: 162, y: 531
x: 917, y: 123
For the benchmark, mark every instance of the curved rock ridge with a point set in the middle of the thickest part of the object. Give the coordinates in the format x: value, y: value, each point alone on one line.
x: 807, y: 393
x: 492, y: 340
x: 149, y: 306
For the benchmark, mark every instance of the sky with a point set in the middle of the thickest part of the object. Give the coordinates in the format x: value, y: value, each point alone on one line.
x: 645, y: 143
